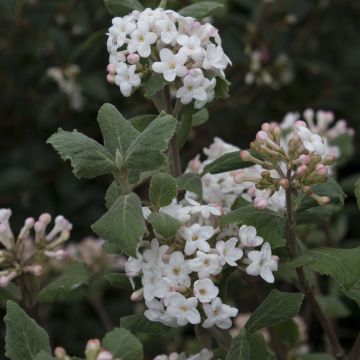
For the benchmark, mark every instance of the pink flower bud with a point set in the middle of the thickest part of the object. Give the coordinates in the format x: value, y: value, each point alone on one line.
x: 260, y: 203
x: 304, y: 159
x: 92, y: 349
x: 301, y: 169
x: 252, y: 191
x: 104, y: 355
x: 309, y: 114
x: 60, y: 353
x: 299, y: 123
x: 137, y: 295
x: 262, y: 136
x: 45, y: 218
x: 133, y: 59
x: 37, y: 270
x: 321, y: 170
x: 195, y: 164
x: 266, y: 127
x: 110, y: 79
x: 238, y: 176
x: 111, y: 69
x: 4, y: 282
x: 39, y: 226
x: 284, y: 183
x: 245, y: 155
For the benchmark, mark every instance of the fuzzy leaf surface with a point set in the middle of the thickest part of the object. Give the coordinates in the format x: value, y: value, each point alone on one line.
x: 163, y: 189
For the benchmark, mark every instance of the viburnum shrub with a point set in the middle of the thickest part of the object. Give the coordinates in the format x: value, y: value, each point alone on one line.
x: 236, y: 214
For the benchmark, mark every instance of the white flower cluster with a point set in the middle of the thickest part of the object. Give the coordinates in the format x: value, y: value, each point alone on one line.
x: 179, y: 277
x: 204, y: 354
x: 66, y: 81
x: 317, y: 136
x: 25, y: 253
x: 185, y: 52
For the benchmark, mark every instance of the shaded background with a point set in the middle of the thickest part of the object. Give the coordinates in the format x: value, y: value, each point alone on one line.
x: 319, y: 40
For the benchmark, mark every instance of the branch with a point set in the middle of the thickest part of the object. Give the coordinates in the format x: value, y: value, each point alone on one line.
x: 355, y: 351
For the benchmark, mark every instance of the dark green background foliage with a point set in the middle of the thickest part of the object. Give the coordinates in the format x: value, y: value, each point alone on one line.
x: 320, y: 37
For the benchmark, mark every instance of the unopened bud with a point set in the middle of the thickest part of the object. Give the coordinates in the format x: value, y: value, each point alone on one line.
x: 111, y: 69
x: 104, y: 355
x: 133, y: 59
x: 261, y: 136
x: 301, y: 170
x: 266, y: 127
x: 307, y: 190
x: 299, y: 123
x: 37, y: 270
x: 60, y: 353
x: 110, y: 78
x: 329, y: 160
x: 260, y: 203
x: 45, y: 218
x: 195, y: 164
x: 284, y: 183
x: 321, y: 170
x: 92, y: 349
x: 137, y: 295
x: 245, y: 155
x: 304, y: 159
x: 321, y: 200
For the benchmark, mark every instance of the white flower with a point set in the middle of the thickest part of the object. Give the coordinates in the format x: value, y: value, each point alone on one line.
x: 155, y: 285
x: 171, y: 65
x: 168, y: 31
x: 262, y: 263
x: 191, y: 46
x: 205, y: 264
x: 204, y: 354
x: 133, y: 267
x: 141, y: 40
x: 119, y: 31
x: 205, y: 210
x: 228, y: 251
x: 177, y: 270
x: 218, y: 314
x: 209, y: 86
x: 205, y: 290
x: 177, y: 211
x: 154, y: 255
x: 196, y: 237
x: 127, y: 78
x: 155, y: 310
x: 184, y: 310
x: 215, y: 58
x: 248, y: 236
x: 312, y: 142
x: 192, y: 89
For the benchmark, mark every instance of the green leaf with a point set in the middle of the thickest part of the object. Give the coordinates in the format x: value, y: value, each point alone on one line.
x: 43, y: 355
x: 162, y: 191
x: 184, y: 130
x: 258, y: 348
x: 276, y: 308
x: 330, y: 188
x: 240, y: 348
x: 119, y: 280
x: 222, y: 88
x: 269, y: 224
x: 123, y: 224
x: 24, y: 337
x: 145, y: 153
x: 227, y: 162
x: 288, y: 333
x: 88, y: 158
x: 200, y: 9
x: 190, y: 182
x: 139, y: 323
x: 112, y: 193
x: 141, y: 122
x: 117, y: 132
x: 164, y: 224
x: 333, y: 307
x: 123, y: 344
x: 11, y: 292
x: 345, y: 143
x: 70, y: 280
x: 122, y: 7
x: 341, y: 264
x: 153, y: 85
x: 357, y: 192
x: 200, y: 117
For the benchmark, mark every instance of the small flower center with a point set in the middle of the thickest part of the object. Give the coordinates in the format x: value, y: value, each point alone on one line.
x: 206, y: 262
x: 172, y: 66
x: 202, y: 292
x: 194, y: 237
x: 141, y: 38
x: 176, y: 270
x: 184, y: 308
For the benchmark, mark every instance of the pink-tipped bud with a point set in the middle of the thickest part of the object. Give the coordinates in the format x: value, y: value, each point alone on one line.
x: 45, y: 218
x: 321, y: 170
x: 284, y: 183
x: 195, y: 164
x: 4, y: 281
x: 137, y: 295
x: 266, y: 127
x: 261, y: 136
x: 39, y: 226
x: 133, y: 59
x: 104, y: 355
x: 110, y: 78
x: 36, y: 270
x: 260, y: 203
x: 252, y: 191
x: 60, y: 353
x: 309, y: 114
x: 299, y: 123
x: 304, y: 159
x: 92, y: 349
x: 329, y: 160
x: 111, y: 69
x: 245, y: 155
x: 301, y: 169
x: 3, y: 229
x: 324, y: 200
x: 307, y: 190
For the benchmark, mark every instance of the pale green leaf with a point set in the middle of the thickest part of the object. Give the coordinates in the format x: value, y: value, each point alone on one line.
x: 24, y: 337
x: 162, y: 191
x: 112, y: 193
x: 269, y: 224
x: 145, y: 152
x: 122, y: 7
x: 43, y: 355
x: 123, y: 344
x: 154, y: 84
x: 117, y: 132
x: 276, y: 308
x: 200, y: 117
x: 70, y: 280
x: 123, y: 224
x: 354, y: 293
x: 200, y: 9
x: 341, y: 264
x: 184, y: 130
x: 222, y: 88
x: 88, y: 158
x: 119, y: 280
x: 190, y: 182
x: 139, y: 323
x: 227, y: 162
x: 164, y: 224
x: 240, y: 348
x: 141, y: 122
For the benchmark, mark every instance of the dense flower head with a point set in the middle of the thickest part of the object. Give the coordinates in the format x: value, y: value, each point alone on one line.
x: 186, y: 53
x: 180, y: 276
x: 33, y: 247
x: 261, y: 184
x: 204, y: 354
